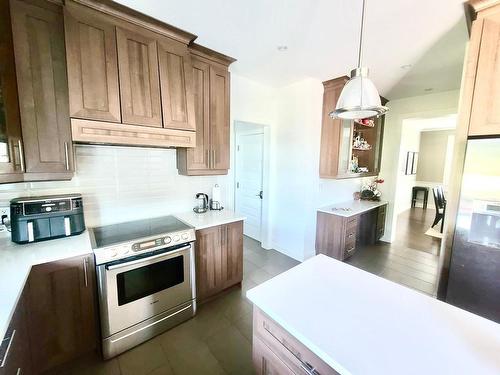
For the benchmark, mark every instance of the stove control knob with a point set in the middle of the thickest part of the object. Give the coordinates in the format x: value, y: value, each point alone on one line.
x: 113, y: 253
x: 176, y: 238
x: 167, y: 240
x: 184, y: 236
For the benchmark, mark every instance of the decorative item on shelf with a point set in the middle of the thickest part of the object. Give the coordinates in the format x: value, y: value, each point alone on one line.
x: 370, y: 191
x: 368, y: 122
x: 359, y: 143
x: 354, y: 164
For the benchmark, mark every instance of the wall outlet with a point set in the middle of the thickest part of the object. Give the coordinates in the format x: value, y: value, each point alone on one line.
x: 4, y: 211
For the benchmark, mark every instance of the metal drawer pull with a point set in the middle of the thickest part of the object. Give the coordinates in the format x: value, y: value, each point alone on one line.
x: 4, y: 360
x: 19, y: 371
x: 310, y: 370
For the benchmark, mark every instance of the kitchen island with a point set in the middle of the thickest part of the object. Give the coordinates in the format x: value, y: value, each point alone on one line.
x: 335, y: 318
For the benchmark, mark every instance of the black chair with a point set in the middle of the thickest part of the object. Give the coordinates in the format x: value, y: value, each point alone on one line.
x: 414, y: 193
x: 440, y: 203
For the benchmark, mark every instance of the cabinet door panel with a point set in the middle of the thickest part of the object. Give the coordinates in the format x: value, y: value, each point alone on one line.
x: 10, y: 123
x: 232, y: 254
x: 92, y: 65
x: 38, y: 35
x: 197, y: 158
x: 265, y: 361
x: 61, y: 317
x: 139, y: 78
x: 485, y: 115
x: 219, y: 117
x: 208, y: 262
x: 176, y: 85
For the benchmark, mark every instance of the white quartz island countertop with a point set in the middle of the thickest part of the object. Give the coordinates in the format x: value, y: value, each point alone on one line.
x: 351, y: 208
x: 359, y: 323
x: 16, y: 262
x: 209, y: 218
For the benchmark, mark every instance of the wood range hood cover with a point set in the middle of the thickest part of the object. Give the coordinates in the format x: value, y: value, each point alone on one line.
x: 141, y: 93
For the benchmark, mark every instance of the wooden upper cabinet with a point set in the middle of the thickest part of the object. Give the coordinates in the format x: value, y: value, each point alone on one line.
x: 38, y: 34
x: 485, y: 113
x: 198, y: 158
x: 211, y: 88
x: 331, y: 129
x: 92, y: 64
x: 139, y: 78
x: 219, y: 117
x: 176, y: 85
x: 10, y: 123
x: 339, y: 157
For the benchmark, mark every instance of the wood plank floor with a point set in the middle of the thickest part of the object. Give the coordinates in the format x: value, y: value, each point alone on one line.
x: 411, y: 260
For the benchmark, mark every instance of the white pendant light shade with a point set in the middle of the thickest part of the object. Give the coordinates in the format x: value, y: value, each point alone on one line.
x: 359, y: 98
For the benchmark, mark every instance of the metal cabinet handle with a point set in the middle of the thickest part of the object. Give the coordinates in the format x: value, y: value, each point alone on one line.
x: 85, y: 260
x: 309, y: 369
x: 213, y: 159
x: 19, y: 371
x: 21, y: 155
x: 4, y: 360
x: 66, y: 155
x: 207, y: 163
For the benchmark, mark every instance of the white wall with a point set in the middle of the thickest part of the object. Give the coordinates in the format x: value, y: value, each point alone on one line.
x: 297, y: 189
x: 426, y: 106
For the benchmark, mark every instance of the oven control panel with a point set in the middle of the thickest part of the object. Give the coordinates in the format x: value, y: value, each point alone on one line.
x: 128, y: 249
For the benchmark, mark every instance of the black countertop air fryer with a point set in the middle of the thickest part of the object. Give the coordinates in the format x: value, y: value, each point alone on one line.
x: 46, y: 217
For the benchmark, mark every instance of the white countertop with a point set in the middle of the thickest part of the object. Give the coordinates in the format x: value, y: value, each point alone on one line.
x: 16, y: 262
x: 351, y: 208
x: 359, y: 323
x: 209, y: 218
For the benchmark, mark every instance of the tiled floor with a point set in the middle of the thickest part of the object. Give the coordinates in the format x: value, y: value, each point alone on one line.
x: 216, y: 341
x: 411, y: 259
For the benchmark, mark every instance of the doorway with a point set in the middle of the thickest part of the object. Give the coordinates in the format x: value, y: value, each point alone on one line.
x: 250, y: 171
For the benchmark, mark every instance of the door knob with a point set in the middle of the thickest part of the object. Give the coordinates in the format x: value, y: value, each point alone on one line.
x: 260, y: 195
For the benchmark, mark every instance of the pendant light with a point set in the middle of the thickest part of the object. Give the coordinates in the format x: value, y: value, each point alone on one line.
x: 359, y: 98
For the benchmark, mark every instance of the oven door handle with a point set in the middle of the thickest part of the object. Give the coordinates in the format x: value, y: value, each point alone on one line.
x: 147, y: 259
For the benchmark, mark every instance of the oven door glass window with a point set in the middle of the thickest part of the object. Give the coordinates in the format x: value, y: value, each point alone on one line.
x: 149, y: 279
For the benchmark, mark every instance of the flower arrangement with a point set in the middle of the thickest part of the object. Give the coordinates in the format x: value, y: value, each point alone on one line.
x: 370, y: 191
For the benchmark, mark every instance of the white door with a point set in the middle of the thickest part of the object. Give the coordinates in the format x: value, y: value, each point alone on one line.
x: 249, y: 194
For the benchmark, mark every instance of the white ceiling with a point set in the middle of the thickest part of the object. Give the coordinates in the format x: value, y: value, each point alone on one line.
x: 322, y: 38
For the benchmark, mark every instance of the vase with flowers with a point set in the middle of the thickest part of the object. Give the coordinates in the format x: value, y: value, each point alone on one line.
x: 370, y: 191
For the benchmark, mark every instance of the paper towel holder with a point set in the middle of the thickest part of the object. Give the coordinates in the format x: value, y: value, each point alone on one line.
x: 215, y: 203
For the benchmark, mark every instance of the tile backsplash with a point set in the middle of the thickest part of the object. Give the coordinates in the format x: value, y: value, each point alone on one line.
x: 123, y: 183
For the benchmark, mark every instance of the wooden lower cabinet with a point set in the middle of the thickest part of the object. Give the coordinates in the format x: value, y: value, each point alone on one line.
x: 339, y: 237
x: 219, y: 258
x: 61, y: 311
x: 277, y: 352
x: 15, y: 347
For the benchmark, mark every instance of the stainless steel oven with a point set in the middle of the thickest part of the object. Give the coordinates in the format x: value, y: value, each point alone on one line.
x: 148, y: 290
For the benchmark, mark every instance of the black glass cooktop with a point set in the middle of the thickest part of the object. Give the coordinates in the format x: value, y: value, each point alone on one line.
x: 136, y: 230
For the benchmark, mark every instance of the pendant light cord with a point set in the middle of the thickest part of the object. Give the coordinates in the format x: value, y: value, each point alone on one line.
x: 360, y: 52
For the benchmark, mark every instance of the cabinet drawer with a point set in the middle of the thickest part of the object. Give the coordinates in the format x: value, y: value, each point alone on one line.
x: 265, y: 362
x: 349, y: 248
x: 351, y: 223
x: 287, y: 348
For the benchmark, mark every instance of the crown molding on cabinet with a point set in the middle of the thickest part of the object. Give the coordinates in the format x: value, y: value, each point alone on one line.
x: 207, y: 53
x: 137, y: 18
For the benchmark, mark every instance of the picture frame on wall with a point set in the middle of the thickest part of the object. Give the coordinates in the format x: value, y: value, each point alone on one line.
x: 414, y: 163
x: 409, y: 163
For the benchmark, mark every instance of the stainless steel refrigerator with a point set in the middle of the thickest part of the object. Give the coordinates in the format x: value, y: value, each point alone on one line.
x: 474, y: 273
